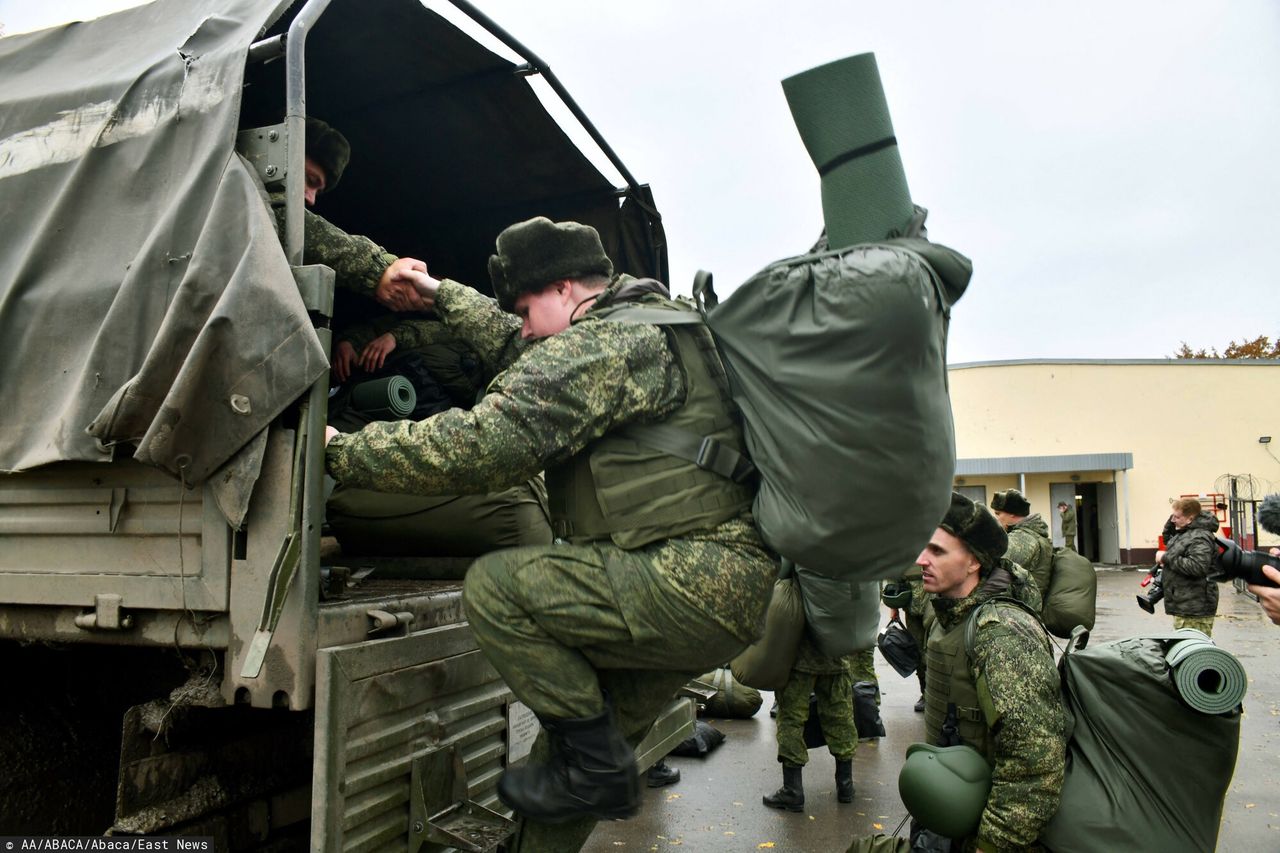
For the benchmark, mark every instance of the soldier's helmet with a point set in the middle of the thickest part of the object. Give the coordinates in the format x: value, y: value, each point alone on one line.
x: 945, y: 787
x: 896, y: 594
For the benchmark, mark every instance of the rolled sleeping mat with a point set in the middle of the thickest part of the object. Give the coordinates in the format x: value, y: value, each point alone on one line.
x: 388, y: 398
x: 1209, y: 679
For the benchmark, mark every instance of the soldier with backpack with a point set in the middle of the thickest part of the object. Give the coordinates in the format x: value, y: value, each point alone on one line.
x: 1029, y: 542
x: 658, y: 573
x: 992, y: 682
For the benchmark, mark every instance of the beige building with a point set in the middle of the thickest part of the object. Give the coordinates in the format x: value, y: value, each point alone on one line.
x: 1120, y: 440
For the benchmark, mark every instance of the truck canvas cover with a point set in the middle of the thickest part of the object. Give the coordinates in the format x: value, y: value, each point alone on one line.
x: 145, y: 298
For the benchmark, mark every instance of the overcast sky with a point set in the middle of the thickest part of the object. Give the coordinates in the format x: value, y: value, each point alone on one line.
x: 1110, y: 167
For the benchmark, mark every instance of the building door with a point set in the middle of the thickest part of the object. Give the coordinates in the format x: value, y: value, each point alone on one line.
x: 1061, y: 492
x: 1087, y: 519
x: 977, y: 494
x: 1108, y: 524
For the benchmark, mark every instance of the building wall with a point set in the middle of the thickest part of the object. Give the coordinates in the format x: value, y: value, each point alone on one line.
x: 1186, y: 422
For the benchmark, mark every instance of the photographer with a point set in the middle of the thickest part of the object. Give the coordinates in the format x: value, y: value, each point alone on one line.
x: 1190, y: 597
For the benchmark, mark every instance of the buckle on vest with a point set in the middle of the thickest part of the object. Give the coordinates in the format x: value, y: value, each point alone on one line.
x: 715, y: 457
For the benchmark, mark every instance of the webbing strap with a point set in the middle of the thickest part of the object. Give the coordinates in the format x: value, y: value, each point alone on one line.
x: 656, y: 316
x: 704, y: 451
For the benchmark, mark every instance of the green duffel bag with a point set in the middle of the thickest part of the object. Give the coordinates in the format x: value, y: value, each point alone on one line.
x: 766, y: 663
x: 733, y: 699
x: 1072, y: 597
x: 382, y: 524
x: 1146, y: 772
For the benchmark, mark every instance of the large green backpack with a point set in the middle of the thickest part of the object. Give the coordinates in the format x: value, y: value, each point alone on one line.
x: 837, y: 361
x: 1072, y: 596
x: 1145, y: 770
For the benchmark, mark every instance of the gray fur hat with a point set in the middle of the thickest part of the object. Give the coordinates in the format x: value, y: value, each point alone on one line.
x: 1011, y: 501
x: 536, y: 252
x: 975, y: 526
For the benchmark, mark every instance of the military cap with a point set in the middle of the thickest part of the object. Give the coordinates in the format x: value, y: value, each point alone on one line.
x: 843, y: 118
x: 945, y: 788
x: 329, y: 148
x: 536, y: 252
x: 975, y: 526
x: 1011, y: 501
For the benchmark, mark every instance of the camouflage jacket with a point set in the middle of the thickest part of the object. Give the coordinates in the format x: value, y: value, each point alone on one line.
x: 550, y: 400
x: 357, y: 262
x: 1011, y: 651
x: 1187, y: 564
x: 1031, y: 548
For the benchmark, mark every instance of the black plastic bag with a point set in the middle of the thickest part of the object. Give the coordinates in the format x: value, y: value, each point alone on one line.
x: 705, y: 738
x: 899, y: 648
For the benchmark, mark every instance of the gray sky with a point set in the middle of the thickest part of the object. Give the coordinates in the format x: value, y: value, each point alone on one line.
x: 1109, y: 167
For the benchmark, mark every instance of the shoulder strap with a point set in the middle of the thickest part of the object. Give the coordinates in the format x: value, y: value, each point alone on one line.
x: 703, y: 451
x: 971, y: 623
x: 654, y: 316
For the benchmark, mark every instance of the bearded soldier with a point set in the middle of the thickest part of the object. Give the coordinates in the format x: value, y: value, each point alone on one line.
x: 658, y: 573
x: 995, y: 690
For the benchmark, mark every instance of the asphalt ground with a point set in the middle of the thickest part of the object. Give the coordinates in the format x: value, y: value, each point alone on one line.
x: 716, y: 805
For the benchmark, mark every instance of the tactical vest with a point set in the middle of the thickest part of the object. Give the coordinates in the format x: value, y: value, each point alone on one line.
x: 951, y: 679
x: 650, y: 482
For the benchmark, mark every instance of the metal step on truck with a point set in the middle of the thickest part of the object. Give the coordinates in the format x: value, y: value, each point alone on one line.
x: 178, y: 656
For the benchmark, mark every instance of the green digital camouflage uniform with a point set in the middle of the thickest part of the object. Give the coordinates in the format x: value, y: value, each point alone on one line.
x: 357, y: 262
x: 1031, y: 548
x: 1028, y: 739
x: 561, y: 623
x: 830, y: 679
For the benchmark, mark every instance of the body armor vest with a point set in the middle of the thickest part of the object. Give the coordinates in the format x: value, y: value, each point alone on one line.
x: 627, y: 486
x: 950, y: 678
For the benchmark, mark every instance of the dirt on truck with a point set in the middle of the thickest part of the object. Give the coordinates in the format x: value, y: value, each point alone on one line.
x: 182, y: 653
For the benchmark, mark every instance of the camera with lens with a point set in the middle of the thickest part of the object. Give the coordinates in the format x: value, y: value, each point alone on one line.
x: 1155, y: 591
x: 1231, y: 561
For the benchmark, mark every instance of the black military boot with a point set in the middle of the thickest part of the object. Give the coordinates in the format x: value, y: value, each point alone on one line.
x: 844, y: 780
x: 592, y: 771
x: 791, y: 795
x: 660, y: 774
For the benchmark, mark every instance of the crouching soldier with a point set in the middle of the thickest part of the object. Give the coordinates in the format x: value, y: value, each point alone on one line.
x: 992, y: 683
x: 658, y: 573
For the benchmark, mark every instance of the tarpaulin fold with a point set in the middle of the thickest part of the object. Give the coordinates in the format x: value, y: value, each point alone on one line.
x: 144, y: 295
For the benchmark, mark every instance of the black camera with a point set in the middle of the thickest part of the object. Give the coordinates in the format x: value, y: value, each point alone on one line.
x: 1231, y: 561
x: 1155, y: 591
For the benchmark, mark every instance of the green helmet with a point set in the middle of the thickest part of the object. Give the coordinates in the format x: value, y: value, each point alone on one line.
x: 896, y: 594
x: 945, y: 787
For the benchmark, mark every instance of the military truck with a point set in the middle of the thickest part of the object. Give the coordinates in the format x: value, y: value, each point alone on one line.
x: 178, y: 657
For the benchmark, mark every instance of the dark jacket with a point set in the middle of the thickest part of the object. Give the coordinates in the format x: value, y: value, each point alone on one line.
x: 1187, y: 564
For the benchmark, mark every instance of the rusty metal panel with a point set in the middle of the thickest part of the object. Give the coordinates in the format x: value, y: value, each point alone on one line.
x: 383, y: 705
x: 74, y: 531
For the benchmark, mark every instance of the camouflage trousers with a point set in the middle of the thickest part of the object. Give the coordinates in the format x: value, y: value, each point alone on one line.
x: 565, y: 624
x: 835, y: 712
x: 1200, y: 623
x: 862, y: 667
